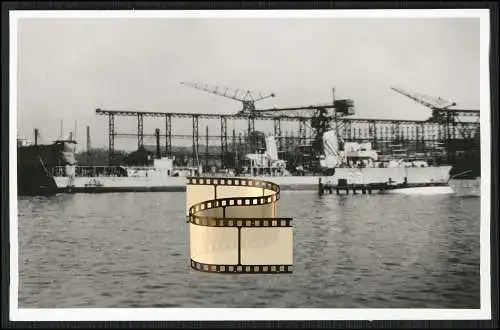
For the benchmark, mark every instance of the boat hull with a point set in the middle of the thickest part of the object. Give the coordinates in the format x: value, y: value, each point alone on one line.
x: 427, y: 190
x: 33, y: 180
x: 33, y: 164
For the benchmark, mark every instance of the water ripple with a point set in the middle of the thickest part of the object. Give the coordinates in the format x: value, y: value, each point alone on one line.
x: 376, y: 251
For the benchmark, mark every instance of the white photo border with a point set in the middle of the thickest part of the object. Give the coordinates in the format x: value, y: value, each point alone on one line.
x: 208, y: 314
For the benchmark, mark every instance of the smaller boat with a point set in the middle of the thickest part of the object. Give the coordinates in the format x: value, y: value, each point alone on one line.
x: 423, y: 189
x: 466, y: 184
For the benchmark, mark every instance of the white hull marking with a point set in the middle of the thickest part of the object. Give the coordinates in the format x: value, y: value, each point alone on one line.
x: 422, y: 190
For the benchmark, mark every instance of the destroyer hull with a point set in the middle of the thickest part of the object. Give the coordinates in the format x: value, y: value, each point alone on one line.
x: 165, y: 183
x: 360, y: 176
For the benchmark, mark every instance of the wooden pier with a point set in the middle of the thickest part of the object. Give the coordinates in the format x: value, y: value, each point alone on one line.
x: 342, y: 187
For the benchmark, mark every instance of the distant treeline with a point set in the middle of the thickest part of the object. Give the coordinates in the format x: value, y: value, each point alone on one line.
x: 100, y: 156
x: 182, y: 155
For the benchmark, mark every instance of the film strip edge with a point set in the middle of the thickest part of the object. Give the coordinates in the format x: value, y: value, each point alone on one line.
x: 241, y: 269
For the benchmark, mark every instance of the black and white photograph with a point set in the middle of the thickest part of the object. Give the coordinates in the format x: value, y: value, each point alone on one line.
x: 371, y: 128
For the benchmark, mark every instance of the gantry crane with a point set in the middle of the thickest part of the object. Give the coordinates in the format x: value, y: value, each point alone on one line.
x: 246, y: 97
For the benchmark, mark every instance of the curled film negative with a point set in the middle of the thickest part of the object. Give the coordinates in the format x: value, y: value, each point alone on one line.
x: 233, y: 227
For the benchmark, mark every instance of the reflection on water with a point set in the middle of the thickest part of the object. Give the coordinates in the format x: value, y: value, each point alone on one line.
x: 368, y: 251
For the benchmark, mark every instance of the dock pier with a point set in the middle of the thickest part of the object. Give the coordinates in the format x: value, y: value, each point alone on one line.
x: 342, y: 187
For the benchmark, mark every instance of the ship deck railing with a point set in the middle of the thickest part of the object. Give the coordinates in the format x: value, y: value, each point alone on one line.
x: 115, y: 170
x: 92, y: 171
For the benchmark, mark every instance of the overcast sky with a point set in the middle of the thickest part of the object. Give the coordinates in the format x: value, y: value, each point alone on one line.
x: 68, y: 68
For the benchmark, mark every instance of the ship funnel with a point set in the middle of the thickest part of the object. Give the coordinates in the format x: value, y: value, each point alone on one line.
x: 157, y: 135
x: 36, y: 136
x: 330, y: 143
x: 271, y: 149
x: 330, y: 149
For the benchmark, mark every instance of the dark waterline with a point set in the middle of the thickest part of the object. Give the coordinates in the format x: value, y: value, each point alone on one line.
x: 125, y: 250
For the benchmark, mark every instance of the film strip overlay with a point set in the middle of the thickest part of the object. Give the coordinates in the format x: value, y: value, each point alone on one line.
x: 234, y: 228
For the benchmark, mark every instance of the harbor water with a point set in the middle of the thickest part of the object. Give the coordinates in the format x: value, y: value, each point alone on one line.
x: 126, y: 250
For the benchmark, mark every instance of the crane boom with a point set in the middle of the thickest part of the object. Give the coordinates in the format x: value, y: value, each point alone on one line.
x: 430, y: 102
x: 440, y: 108
x: 246, y: 97
x: 237, y: 94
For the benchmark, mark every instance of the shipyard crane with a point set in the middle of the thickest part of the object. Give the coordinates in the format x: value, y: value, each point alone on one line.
x: 449, y: 118
x: 440, y: 107
x: 246, y: 97
x: 320, y: 120
x: 441, y: 112
x: 430, y: 102
x: 320, y: 117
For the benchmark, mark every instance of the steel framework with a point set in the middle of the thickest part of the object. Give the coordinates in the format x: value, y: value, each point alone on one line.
x: 419, y: 136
